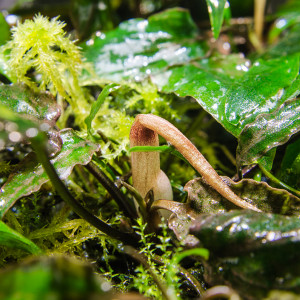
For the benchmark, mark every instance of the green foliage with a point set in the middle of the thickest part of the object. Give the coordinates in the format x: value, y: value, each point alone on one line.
x: 12, y: 239
x: 41, y: 45
x: 143, y: 281
x: 237, y: 96
x: 165, y: 66
x: 5, y: 33
x: 216, y: 15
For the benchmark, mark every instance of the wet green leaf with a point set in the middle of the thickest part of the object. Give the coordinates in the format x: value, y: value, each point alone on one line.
x: 53, y: 277
x: 234, y: 102
x: 253, y: 252
x: 12, y: 239
x: 216, y: 15
x: 290, y: 166
x: 287, y: 17
x: 75, y: 150
x: 202, y: 198
x: 4, y: 29
x: 237, y: 93
x: 233, y: 99
x: 139, y: 48
x: 268, y: 131
x: 27, y: 111
x: 33, y: 106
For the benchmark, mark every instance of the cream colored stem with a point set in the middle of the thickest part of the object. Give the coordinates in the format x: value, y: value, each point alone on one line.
x: 191, y: 153
x: 146, y: 172
x: 259, y: 11
x: 145, y: 165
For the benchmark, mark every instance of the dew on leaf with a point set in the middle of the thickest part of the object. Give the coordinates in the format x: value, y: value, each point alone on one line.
x: 31, y: 132
x: 281, y: 23
x: 10, y: 126
x: 15, y: 136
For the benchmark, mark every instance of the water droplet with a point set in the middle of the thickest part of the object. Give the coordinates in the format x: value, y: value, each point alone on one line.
x: 281, y: 23
x: 31, y: 132
x: 90, y: 42
x: 44, y: 127
x: 102, y: 6
x: 219, y: 228
x: 10, y: 126
x: 105, y: 286
x: 215, y: 3
x: 226, y: 46
x: 12, y: 19
x: 15, y: 136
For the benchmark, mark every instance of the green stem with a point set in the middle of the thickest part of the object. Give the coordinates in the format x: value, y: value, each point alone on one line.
x: 41, y: 152
x: 277, y: 181
x: 138, y: 198
x: 158, y: 280
x: 164, y: 148
x: 122, y: 202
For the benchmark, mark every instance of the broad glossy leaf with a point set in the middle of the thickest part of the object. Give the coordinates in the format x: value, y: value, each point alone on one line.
x: 234, y: 92
x: 25, y: 107
x: 75, y: 150
x: 253, y: 252
x: 54, y: 277
x: 234, y: 102
x: 12, y: 239
x: 139, y: 48
x: 290, y: 166
x: 216, y: 15
x: 268, y: 131
x: 202, y: 198
x: 23, y: 101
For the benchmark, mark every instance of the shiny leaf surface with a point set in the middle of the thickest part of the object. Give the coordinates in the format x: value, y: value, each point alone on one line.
x: 75, y: 150
x: 22, y: 106
x: 204, y: 199
x: 253, y: 252
x: 139, y: 48
x: 268, y: 131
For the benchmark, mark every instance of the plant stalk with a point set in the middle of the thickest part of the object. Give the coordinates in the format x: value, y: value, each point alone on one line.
x: 41, y: 153
x: 191, y: 153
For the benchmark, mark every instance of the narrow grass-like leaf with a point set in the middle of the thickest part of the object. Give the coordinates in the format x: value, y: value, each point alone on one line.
x: 97, y: 105
x: 216, y: 15
x: 12, y: 239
